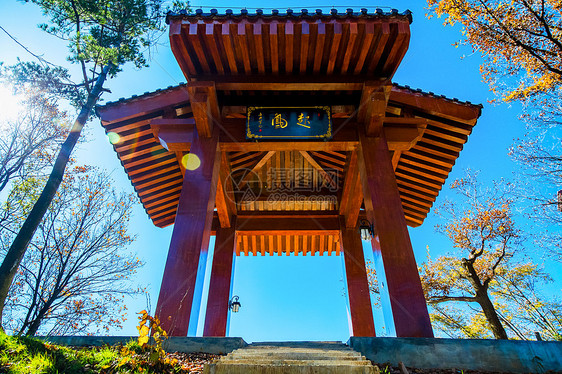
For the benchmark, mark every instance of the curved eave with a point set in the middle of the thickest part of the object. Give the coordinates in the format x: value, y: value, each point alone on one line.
x: 421, y: 171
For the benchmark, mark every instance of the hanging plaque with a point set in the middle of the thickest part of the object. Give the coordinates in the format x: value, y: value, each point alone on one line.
x: 313, y: 122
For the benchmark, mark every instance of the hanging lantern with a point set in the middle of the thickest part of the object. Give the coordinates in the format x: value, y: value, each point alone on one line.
x: 366, y: 229
x: 234, y: 304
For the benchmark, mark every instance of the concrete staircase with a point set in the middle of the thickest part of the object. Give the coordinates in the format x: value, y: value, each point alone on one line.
x: 293, y: 357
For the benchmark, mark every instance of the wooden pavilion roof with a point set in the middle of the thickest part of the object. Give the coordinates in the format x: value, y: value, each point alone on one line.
x: 343, y: 61
x: 316, y: 44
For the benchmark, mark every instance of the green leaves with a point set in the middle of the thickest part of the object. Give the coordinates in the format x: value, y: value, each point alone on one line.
x: 104, y: 32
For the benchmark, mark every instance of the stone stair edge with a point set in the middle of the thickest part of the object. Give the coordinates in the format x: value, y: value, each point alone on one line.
x: 298, y: 362
x: 293, y: 357
x: 353, y: 355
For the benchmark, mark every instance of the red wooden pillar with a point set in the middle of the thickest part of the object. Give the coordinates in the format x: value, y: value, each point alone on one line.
x: 384, y: 209
x: 357, y: 282
x: 220, y: 284
x: 192, y: 231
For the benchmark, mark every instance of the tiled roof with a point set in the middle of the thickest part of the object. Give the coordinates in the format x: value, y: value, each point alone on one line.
x: 276, y: 13
x: 183, y: 84
x: 142, y: 96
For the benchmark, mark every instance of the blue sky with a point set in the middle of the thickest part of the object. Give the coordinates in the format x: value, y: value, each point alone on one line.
x: 291, y: 298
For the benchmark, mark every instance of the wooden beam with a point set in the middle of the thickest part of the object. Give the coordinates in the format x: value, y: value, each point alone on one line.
x: 179, y: 158
x: 179, y: 49
x: 466, y: 113
x: 402, y: 137
x: 288, y: 86
x: 395, y: 159
x: 352, y: 193
x: 367, y: 90
x: 225, y: 202
x: 286, y: 226
x: 200, y: 108
x: 223, y: 208
x: 304, y: 214
x: 204, y: 104
x: 374, y: 100
x: 320, y: 169
x: 174, y: 134
x: 256, y: 168
x: 288, y: 146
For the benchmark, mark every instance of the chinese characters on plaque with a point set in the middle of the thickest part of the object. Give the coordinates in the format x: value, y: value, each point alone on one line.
x: 289, y: 123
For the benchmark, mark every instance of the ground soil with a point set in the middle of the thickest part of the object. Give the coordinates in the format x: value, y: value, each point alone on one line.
x: 193, y: 362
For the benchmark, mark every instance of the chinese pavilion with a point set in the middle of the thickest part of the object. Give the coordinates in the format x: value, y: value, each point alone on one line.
x: 345, y: 146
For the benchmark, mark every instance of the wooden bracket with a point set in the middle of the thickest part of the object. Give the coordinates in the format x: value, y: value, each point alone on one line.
x: 204, y: 105
x: 224, y: 202
x: 403, y: 133
x: 352, y: 193
x: 372, y: 108
x: 174, y: 134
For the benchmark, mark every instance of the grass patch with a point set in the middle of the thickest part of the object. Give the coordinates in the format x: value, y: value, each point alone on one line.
x: 29, y: 356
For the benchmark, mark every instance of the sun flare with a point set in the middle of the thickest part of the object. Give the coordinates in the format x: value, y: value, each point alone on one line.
x: 10, y: 104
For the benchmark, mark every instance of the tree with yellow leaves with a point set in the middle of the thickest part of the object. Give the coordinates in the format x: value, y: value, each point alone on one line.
x: 496, y: 287
x: 519, y: 39
x: 521, y: 43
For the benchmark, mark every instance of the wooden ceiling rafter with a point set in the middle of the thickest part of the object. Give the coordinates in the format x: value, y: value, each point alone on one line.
x: 257, y: 167
x: 422, y: 160
x: 320, y: 169
x: 285, y: 46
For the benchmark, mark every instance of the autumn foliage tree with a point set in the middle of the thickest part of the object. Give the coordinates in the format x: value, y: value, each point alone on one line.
x: 521, y: 43
x: 77, y: 272
x: 520, y: 40
x: 102, y: 36
x: 486, y: 288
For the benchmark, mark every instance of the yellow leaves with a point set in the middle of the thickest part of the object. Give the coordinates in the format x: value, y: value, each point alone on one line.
x: 173, y: 361
x: 151, y: 325
x: 513, y: 41
x: 143, y: 339
x: 537, y: 84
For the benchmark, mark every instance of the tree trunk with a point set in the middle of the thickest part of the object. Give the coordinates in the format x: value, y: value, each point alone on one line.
x: 483, y: 299
x: 17, y: 250
x: 491, y: 315
x: 34, y: 325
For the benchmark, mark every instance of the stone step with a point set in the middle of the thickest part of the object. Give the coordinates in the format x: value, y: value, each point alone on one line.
x: 289, y: 362
x: 302, y: 355
x: 301, y: 344
x: 264, y: 350
x: 221, y: 368
x: 293, y: 358
x: 268, y: 348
